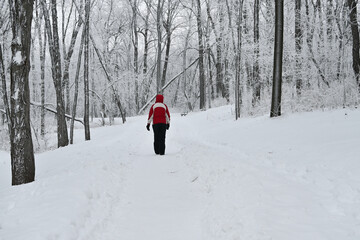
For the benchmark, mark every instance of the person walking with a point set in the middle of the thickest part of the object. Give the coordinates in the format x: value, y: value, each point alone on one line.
x: 160, y: 117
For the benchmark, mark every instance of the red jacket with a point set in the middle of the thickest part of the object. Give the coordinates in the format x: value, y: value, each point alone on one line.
x: 159, y: 112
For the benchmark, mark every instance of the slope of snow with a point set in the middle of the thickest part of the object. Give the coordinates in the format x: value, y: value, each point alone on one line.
x: 293, y: 177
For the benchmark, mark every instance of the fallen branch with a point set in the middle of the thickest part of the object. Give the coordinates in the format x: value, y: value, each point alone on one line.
x: 166, y: 85
x: 55, y: 112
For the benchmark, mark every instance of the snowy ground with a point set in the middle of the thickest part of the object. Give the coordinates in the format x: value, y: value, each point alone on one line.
x: 293, y: 177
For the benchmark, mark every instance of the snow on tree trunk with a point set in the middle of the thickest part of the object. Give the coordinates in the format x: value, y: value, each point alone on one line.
x: 22, y: 153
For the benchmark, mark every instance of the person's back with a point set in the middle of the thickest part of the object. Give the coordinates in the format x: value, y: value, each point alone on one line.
x: 160, y: 117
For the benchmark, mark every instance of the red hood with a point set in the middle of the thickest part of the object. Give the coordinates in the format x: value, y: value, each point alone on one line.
x: 159, y: 98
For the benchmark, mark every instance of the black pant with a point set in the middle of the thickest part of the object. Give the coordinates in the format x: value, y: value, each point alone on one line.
x: 159, y: 138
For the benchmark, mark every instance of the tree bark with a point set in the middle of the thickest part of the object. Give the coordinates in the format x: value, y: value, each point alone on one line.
x: 42, y: 51
x: 53, y: 39
x: 86, y: 70
x: 76, y: 90
x: 158, y: 59
x: 22, y: 153
x: 201, y: 57
x: 352, y: 4
x: 298, y: 46
x: 278, y: 54
x: 256, y: 68
x: 219, y: 62
x: 4, y: 91
x: 168, y: 29
x: 67, y: 60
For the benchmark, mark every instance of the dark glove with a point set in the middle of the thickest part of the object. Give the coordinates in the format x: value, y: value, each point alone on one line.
x: 148, y: 126
x: 167, y: 126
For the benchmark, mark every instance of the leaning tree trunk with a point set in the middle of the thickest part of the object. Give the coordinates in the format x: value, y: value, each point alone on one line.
x: 22, y: 153
x: 356, y: 41
x: 201, y: 57
x: 278, y: 54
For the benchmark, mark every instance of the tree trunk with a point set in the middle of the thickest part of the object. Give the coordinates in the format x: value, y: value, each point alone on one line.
x: 67, y: 60
x: 256, y: 68
x: 135, y: 40
x: 42, y: 51
x: 86, y: 70
x: 298, y: 46
x: 329, y: 21
x: 4, y: 91
x: 278, y: 54
x: 22, y: 153
x: 201, y: 57
x: 218, y: 63
x: 53, y: 39
x: 76, y: 90
x: 309, y: 39
x: 210, y: 71
x: 146, y: 42
x: 158, y: 59
x: 167, y: 48
x: 239, y: 8
x: 356, y: 41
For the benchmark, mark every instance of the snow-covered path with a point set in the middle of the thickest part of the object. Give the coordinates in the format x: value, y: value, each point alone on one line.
x: 294, y: 177
x: 159, y: 200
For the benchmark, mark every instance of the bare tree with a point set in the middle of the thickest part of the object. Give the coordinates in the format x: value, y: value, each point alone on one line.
x: 256, y: 67
x: 42, y: 56
x: 54, y: 48
x: 135, y: 41
x: 3, y: 90
x: 86, y: 70
x: 168, y: 25
x: 159, y: 9
x: 22, y: 153
x: 76, y: 90
x: 298, y: 46
x: 220, y: 88
x: 356, y: 40
x: 201, y: 56
x: 278, y: 55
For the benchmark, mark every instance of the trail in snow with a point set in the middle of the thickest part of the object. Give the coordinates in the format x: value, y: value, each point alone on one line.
x: 159, y: 200
x: 295, y: 177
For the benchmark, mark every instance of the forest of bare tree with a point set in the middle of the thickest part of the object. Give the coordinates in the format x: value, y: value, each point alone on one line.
x: 91, y: 62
